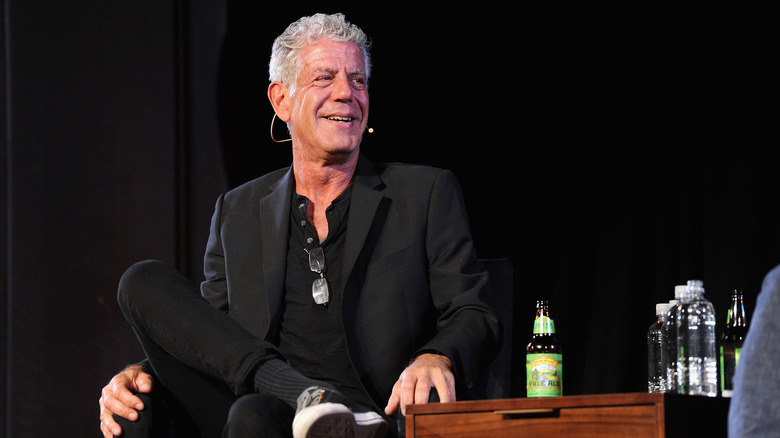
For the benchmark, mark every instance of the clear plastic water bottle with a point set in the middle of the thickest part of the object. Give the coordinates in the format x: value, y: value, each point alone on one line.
x: 670, y: 327
x: 657, y: 353
x: 697, y: 355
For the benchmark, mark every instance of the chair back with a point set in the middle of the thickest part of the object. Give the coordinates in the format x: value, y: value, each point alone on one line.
x: 497, y: 381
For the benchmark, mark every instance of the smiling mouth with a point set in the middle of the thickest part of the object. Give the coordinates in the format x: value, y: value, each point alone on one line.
x: 340, y: 119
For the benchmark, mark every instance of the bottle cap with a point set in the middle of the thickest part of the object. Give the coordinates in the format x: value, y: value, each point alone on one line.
x: 662, y: 308
x: 694, y: 288
x: 697, y: 284
x: 679, y: 291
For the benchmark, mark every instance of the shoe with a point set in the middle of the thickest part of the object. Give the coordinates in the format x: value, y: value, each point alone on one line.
x: 317, y: 418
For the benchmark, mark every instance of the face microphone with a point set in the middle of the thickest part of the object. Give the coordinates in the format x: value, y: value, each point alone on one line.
x: 370, y: 131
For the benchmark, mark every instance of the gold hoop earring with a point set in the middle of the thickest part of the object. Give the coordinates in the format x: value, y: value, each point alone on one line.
x: 272, y: 132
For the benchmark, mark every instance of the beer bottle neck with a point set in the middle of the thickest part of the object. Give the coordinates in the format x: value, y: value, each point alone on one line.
x: 543, y: 325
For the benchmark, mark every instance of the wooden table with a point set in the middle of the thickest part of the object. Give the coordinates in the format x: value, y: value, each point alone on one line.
x: 635, y: 415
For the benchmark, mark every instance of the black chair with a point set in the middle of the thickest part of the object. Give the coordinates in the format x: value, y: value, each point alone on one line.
x: 497, y: 381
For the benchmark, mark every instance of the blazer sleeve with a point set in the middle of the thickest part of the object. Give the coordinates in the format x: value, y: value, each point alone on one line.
x: 467, y: 331
x: 214, y: 287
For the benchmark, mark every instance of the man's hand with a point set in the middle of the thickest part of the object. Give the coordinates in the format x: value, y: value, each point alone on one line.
x: 414, y: 385
x: 118, y: 398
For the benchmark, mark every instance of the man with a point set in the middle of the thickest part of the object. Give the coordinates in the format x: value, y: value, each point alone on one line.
x: 754, y: 410
x: 349, y: 289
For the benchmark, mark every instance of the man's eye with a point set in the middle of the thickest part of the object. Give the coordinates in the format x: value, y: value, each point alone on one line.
x: 360, y: 82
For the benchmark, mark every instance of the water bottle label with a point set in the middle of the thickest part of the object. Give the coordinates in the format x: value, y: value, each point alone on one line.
x: 545, y: 375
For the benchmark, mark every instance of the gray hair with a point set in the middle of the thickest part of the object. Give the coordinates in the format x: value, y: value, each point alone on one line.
x: 286, y: 65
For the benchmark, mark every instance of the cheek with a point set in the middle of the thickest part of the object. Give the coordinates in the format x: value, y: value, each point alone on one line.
x: 303, y: 116
x: 363, y: 102
x: 306, y: 103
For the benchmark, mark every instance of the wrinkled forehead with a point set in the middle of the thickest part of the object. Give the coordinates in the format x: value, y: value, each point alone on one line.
x: 332, y: 56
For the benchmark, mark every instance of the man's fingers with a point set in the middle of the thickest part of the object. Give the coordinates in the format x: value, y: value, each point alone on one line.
x: 408, y: 391
x: 108, y: 426
x: 422, y: 392
x: 121, y: 402
x: 121, y: 398
x: 134, y: 379
x: 415, y: 383
x: 121, y: 409
x: 403, y: 394
x: 143, y: 383
x: 395, y: 399
x: 445, y: 386
x: 129, y: 400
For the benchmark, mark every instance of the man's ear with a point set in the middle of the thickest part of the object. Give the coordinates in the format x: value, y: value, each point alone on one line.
x: 279, y: 96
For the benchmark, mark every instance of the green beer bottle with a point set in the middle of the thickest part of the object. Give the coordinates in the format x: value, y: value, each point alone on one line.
x: 731, y: 342
x: 544, y: 356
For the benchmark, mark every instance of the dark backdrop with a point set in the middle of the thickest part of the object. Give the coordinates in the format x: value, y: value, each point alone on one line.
x: 608, y: 159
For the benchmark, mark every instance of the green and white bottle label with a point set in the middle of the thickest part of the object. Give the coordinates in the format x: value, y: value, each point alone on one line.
x: 544, y: 324
x: 545, y: 374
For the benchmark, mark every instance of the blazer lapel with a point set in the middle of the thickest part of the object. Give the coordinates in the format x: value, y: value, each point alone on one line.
x: 274, y: 228
x: 367, y: 196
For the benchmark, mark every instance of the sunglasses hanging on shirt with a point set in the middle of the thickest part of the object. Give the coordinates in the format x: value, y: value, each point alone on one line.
x: 319, y: 288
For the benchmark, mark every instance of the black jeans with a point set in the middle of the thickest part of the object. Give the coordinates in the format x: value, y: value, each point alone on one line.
x: 202, y: 360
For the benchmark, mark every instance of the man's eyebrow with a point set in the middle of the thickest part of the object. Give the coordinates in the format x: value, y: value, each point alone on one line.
x: 333, y: 71
x: 324, y: 70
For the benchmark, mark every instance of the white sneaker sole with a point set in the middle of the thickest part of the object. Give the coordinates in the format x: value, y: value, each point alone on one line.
x: 334, y: 420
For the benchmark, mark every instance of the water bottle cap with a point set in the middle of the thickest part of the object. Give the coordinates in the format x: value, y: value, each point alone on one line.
x: 698, y: 284
x: 679, y: 291
x: 662, y: 308
x: 695, y: 288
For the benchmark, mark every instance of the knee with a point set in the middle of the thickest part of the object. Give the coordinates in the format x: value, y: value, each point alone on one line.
x: 138, y: 279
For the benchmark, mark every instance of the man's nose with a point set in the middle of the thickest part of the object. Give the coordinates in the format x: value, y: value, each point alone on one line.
x: 342, y: 89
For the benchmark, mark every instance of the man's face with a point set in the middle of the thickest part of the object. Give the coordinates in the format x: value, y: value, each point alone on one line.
x: 330, y: 109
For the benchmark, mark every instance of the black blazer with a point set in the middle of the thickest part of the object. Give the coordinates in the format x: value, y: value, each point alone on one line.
x: 414, y: 283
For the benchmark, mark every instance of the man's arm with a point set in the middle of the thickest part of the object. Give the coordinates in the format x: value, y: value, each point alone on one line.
x: 214, y: 287
x: 467, y: 332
